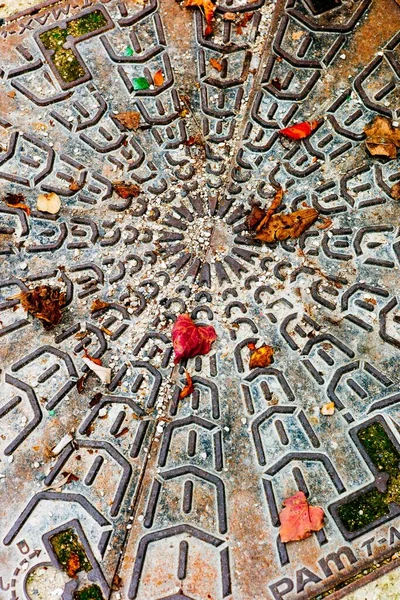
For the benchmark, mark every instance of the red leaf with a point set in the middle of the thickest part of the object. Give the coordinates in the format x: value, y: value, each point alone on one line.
x: 299, y: 519
x: 188, y: 389
x: 190, y: 339
x: 298, y: 131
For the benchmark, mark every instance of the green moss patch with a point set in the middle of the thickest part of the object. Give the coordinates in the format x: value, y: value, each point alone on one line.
x: 69, y: 551
x: 92, y: 592
x: 372, y: 505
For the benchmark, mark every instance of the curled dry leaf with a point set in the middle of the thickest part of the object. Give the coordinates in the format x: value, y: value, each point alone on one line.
x: 208, y: 8
x: 194, y: 140
x: 395, y: 191
x: 158, y: 78
x: 281, y: 227
x: 299, y: 519
x: 129, y: 119
x: 98, y: 304
x: 260, y: 357
x: 216, y: 64
x: 103, y: 373
x: 49, y: 203
x: 189, y: 339
x: 17, y: 201
x: 382, y: 138
x: 242, y: 23
x: 328, y: 409
x: 271, y: 228
x: 74, y: 186
x: 298, y: 131
x: 44, y: 303
x: 188, y: 389
x: 326, y: 223
x: 126, y: 190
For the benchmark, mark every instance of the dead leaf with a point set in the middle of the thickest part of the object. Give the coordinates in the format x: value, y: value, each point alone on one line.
x: 299, y: 519
x: 129, y: 119
x: 123, y: 431
x: 328, y: 409
x: 188, y: 389
x: 395, y: 191
x: 281, y: 227
x: 240, y: 25
x: 103, y: 373
x: 299, y: 131
x: 126, y: 190
x: 208, y: 9
x: 17, y: 201
x: 44, y: 303
x: 326, y: 222
x: 116, y: 583
x: 229, y: 16
x: 216, y: 64
x: 74, y: 186
x: 96, y: 361
x: 73, y: 565
x: 297, y: 35
x: 382, y: 138
x: 189, y: 339
x: 50, y: 203
x: 98, y: 304
x: 274, y: 205
x: 158, y: 78
x: 260, y: 357
x: 194, y: 140
x: 80, y: 384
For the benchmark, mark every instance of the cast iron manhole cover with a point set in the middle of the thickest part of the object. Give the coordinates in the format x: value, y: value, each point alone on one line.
x: 125, y: 490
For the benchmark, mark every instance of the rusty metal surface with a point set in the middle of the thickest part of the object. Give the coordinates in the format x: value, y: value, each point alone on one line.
x: 180, y: 499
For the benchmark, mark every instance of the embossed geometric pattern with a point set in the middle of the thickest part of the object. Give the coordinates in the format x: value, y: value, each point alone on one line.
x: 179, y: 499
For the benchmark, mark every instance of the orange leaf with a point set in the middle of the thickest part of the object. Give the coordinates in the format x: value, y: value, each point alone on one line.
x: 243, y: 23
x: 158, y: 78
x: 298, y: 131
x: 188, y: 389
x: 216, y: 64
x: 73, y: 565
x: 299, y: 519
x: 17, y: 201
x: 326, y: 222
x: 208, y: 9
x: 96, y: 361
x: 260, y: 357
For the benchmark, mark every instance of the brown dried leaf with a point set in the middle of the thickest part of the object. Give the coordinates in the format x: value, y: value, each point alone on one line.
x: 382, y: 138
x: 326, y: 222
x: 281, y: 227
x: 44, y: 303
x: 243, y: 22
x: 96, y: 361
x: 17, y: 201
x: 216, y: 64
x: 188, y: 389
x: 126, y: 190
x: 129, y: 119
x: 274, y: 205
x: 395, y: 191
x: 74, y: 186
x: 98, y: 304
x: 229, y: 16
x: 255, y: 217
x: 260, y: 357
x: 194, y: 140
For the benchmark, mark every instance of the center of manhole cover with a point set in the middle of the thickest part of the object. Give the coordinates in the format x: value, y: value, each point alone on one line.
x: 199, y: 314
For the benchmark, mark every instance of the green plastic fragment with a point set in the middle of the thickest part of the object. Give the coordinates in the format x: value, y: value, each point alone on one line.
x: 52, y: 413
x: 140, y: 83
x: 129, y: 51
